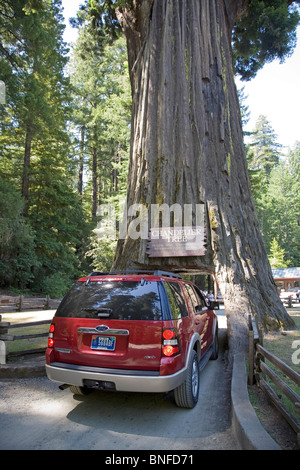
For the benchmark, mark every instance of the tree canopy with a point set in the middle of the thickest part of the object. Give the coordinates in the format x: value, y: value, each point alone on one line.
x: 262, y: 30
x: 265, y: 30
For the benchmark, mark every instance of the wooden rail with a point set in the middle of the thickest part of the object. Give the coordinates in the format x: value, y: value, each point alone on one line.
x: 259, y: 371
x: 4, y: 336
x: 20, y: 303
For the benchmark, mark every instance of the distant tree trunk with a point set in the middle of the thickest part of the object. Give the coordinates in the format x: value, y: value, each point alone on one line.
x: 81, y: 160
x: 187, y: 148
x: 26, y: 168
x: 115, y: 172
x: 94, y: 182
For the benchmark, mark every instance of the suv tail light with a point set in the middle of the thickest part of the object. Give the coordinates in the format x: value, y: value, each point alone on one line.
x: 50, y: 336
x: 170, y: 343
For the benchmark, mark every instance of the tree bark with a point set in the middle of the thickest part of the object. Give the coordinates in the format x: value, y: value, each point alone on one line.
x: 94, y: 182
x: 187, y: 148
x: 81, y: 160
x: 26, y: 167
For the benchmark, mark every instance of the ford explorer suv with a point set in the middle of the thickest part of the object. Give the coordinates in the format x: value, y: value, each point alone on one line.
x: 132, y: 332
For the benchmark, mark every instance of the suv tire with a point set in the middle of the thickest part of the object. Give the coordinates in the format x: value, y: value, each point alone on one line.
x: 215, y: 346
x: 186, y: 395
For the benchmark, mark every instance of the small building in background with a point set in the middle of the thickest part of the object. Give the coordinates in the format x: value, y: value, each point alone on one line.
x: 286, y: 278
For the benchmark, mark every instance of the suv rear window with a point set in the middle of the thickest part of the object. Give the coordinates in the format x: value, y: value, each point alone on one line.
x: 116, y: 300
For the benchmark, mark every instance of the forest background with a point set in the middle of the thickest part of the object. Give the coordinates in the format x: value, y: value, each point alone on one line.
x: 64, y: 151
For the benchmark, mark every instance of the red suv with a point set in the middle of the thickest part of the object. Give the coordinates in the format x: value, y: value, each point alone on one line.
x: 134, y: 332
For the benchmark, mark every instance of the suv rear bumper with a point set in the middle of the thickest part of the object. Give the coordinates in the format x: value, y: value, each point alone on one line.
x: 124, y: 381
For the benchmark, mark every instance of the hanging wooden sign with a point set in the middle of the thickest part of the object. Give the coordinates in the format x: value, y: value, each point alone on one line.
x: 176, y: 241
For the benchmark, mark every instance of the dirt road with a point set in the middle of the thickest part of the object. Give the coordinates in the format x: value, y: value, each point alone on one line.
x: 35, y: 414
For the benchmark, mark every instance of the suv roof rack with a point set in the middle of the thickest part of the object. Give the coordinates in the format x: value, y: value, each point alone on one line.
x: 166, y: 273
x: 154, y: 273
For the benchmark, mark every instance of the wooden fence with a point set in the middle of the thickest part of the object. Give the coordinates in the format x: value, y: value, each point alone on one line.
x: 4, y: 336
x: 261, y: 373
x: 20, y: 303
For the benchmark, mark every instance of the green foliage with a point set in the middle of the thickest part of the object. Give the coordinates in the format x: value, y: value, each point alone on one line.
x: 275, y: 184
x: 99, y: 18
x: 276, y: 256
x: 47, y: 239
x: 99, y: 75
x: 56, y: 285
x: 283, y: 206
x: 101, y: 253
x: 17, y: 240
x: 43, y: 244
x: 265, y: 32
x: 265, y: 149
x: 263, y: 153
x: 100, y: 79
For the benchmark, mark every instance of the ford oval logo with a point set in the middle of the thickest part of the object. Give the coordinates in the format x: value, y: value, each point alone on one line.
x: 102, y: 328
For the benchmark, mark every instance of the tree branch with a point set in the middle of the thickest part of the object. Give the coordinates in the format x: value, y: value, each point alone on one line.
x: 134, y: 20
x: 238, y: 8
x: 292, y: 1
x: 235, y: 9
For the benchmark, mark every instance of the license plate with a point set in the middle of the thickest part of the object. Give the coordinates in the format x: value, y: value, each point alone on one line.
x: 106, y: 343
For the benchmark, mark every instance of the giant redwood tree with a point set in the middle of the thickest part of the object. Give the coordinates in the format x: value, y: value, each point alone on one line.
x: 187, y: 143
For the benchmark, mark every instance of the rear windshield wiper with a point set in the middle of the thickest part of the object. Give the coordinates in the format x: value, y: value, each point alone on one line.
x: 101, y: 312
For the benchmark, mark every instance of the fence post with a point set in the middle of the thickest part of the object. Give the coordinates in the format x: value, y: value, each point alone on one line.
x: 20, y: 305
x: 2, y: 352
x: 251, y: 352
x: 2, y: 345
x: 251, y: 358
x: 47, y: 303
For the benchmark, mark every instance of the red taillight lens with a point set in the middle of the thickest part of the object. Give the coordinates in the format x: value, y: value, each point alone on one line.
x: 50, y: 337
x: 170, y: 350
x: 169, y: 334
x: 170, y: 346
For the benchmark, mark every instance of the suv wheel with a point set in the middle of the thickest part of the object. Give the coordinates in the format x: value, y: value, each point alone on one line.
x: 186, y: 395
x: 215, y: 346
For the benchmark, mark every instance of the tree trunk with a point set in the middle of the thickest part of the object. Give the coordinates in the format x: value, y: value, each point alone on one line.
x: 187, y: 148
x: 81, y: 160
x: 94, y: 182
x: 115, y: 173
x: 26, y: 168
